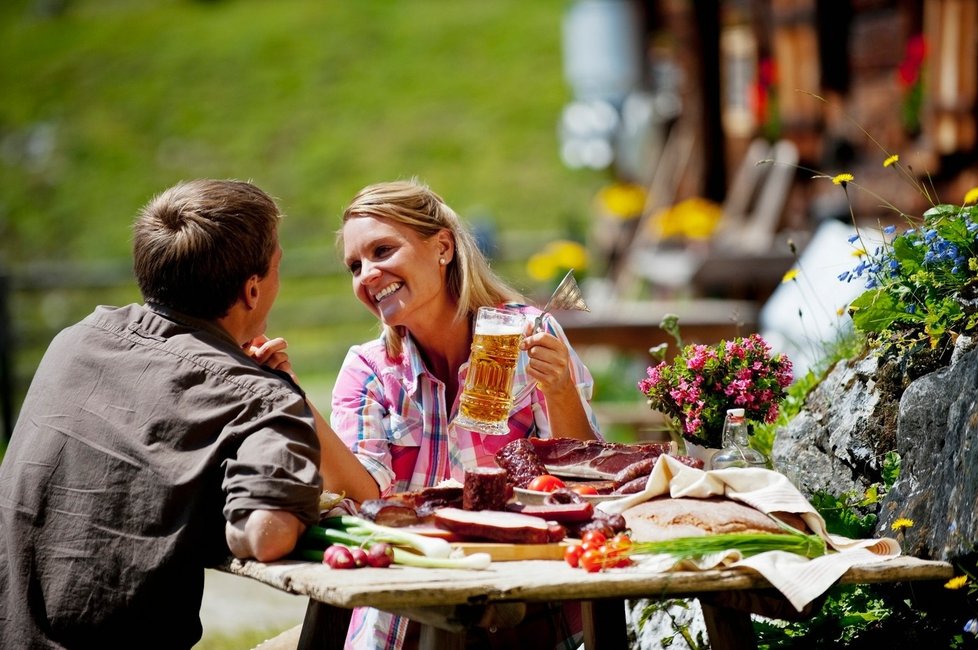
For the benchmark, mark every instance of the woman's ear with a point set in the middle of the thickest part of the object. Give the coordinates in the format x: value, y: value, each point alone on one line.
x: 445, y: 245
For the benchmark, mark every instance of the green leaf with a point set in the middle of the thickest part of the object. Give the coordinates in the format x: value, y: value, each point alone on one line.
x: 875, y: 310
x: 891, y: 468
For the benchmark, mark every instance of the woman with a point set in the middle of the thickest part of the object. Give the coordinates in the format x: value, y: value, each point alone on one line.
x: 420, y: 272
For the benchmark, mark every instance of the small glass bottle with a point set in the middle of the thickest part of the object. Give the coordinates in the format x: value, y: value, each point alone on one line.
x: 737, y: 451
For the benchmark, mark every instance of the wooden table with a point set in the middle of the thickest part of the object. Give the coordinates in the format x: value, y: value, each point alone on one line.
x: 445, y: 601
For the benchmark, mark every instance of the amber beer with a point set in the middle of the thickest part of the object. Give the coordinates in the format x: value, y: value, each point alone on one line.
x: 488, y: 393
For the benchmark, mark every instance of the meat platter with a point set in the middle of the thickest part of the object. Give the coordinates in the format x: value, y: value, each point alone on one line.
x: 494, y: 511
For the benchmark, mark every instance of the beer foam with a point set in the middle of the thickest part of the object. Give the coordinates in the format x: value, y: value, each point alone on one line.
x: 497, y: 329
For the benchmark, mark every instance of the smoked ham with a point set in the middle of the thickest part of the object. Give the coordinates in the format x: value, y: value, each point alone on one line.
x: 592, y: 459
x: 498, y: 526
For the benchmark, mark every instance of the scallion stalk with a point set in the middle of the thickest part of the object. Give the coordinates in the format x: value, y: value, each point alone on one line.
x: 748, y: 544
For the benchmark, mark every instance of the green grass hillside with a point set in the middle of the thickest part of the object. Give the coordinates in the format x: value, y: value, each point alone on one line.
x: 108, y: 101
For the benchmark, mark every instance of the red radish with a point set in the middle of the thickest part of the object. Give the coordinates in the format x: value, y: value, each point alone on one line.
x: 380, y: 555
x: 359, y: 556
x: 341, y: 558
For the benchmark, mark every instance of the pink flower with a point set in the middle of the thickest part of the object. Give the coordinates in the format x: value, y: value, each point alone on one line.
x: 702, y: 382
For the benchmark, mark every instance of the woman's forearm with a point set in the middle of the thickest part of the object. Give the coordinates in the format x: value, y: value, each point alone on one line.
x: 341, y: 471
x: 568, y: 418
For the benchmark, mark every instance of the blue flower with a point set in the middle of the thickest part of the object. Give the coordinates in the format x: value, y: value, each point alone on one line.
x: 972, y: 626
x: 889, y: 230
x: 853, y: 239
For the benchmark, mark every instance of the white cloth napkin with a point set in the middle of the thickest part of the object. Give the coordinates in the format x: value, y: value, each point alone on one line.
x: 800, y: 579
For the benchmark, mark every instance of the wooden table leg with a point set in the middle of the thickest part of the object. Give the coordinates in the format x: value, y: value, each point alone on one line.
x: 604, y: 624
x: 728, y: 629
x: 324, y: 626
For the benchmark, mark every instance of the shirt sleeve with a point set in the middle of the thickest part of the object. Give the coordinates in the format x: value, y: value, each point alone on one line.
x: 360, y: 409
x: 276, y: 466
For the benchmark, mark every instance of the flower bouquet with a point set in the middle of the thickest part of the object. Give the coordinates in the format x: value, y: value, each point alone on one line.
x: 702, y: 381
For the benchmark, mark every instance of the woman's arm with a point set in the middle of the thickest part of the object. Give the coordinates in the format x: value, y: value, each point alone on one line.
x: 551, y: 365
x: 342, y: 473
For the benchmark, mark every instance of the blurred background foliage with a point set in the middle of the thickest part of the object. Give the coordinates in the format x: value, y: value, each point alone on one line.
x: 107, y: 102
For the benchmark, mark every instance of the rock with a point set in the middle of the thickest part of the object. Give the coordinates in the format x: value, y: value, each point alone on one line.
x: 833, y: 444
x: 937, y: 439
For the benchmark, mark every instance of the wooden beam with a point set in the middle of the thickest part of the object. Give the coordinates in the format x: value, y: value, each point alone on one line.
x: 634, y: 326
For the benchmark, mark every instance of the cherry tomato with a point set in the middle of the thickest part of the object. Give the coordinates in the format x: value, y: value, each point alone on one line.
x: 594, y: 537
x: 592, y: 561
x: 572, y: 554
x: 585, y: 489
x: 545, y: 483
x: 620, y: 541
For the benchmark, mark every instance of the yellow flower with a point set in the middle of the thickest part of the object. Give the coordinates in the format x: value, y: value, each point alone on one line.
x: 858, y: 252
x: 568, y: 254
x: 541, y: 267
x: 557, y: 257
x: 902, y: 522
x: 695, y: 218
x: 971, y: 196
x: 840, y: 311
x: 956, y: 582
x: 790, y: 275
x: 842, y: 179
x: 622, y: 200
x: 889, y: 161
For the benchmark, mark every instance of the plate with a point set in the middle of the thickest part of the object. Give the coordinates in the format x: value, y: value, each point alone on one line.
x: 535, y: 498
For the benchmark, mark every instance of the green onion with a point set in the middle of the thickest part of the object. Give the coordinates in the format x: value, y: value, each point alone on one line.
x: 748, y: 544
x: 353, y: 531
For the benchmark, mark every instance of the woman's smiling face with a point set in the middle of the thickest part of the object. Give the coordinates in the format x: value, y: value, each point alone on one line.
x: 395, y: 272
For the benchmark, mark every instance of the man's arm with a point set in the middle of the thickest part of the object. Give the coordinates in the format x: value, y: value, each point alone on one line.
x: 265, y: 535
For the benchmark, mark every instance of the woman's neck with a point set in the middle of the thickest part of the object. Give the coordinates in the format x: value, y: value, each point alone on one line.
x: 444, y: 345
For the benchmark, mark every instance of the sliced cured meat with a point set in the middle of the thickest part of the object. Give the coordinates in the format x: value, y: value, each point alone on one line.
x: 389, y: 512
x: 633, y: 471
x: 560, y: 512
x: 410, y: 508
x: 486, y: 488
x: 520, y: 461
x: 594, y: 459
x: 496, y: 526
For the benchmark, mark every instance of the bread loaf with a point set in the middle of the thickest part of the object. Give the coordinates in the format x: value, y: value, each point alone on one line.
x: 668, y: 518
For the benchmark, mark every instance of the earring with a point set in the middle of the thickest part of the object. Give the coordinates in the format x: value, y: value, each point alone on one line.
x: 442, y: 261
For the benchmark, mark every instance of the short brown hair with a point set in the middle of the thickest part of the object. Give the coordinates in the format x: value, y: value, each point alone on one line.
x: 195, y: 244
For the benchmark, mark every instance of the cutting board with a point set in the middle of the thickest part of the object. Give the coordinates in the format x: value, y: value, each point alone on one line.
x: 511, y: 552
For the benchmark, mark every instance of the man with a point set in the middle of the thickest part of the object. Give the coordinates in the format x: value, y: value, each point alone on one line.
x: 151, y: 441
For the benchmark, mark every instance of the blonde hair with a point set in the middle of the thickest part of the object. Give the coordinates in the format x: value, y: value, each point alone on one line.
x: 470, y: 281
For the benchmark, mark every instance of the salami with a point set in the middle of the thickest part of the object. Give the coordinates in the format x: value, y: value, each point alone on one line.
x: 485, y: 488
x: 520, y: 461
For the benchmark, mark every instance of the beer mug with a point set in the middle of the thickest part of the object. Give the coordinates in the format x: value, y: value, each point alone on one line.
x: 487, y: 396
